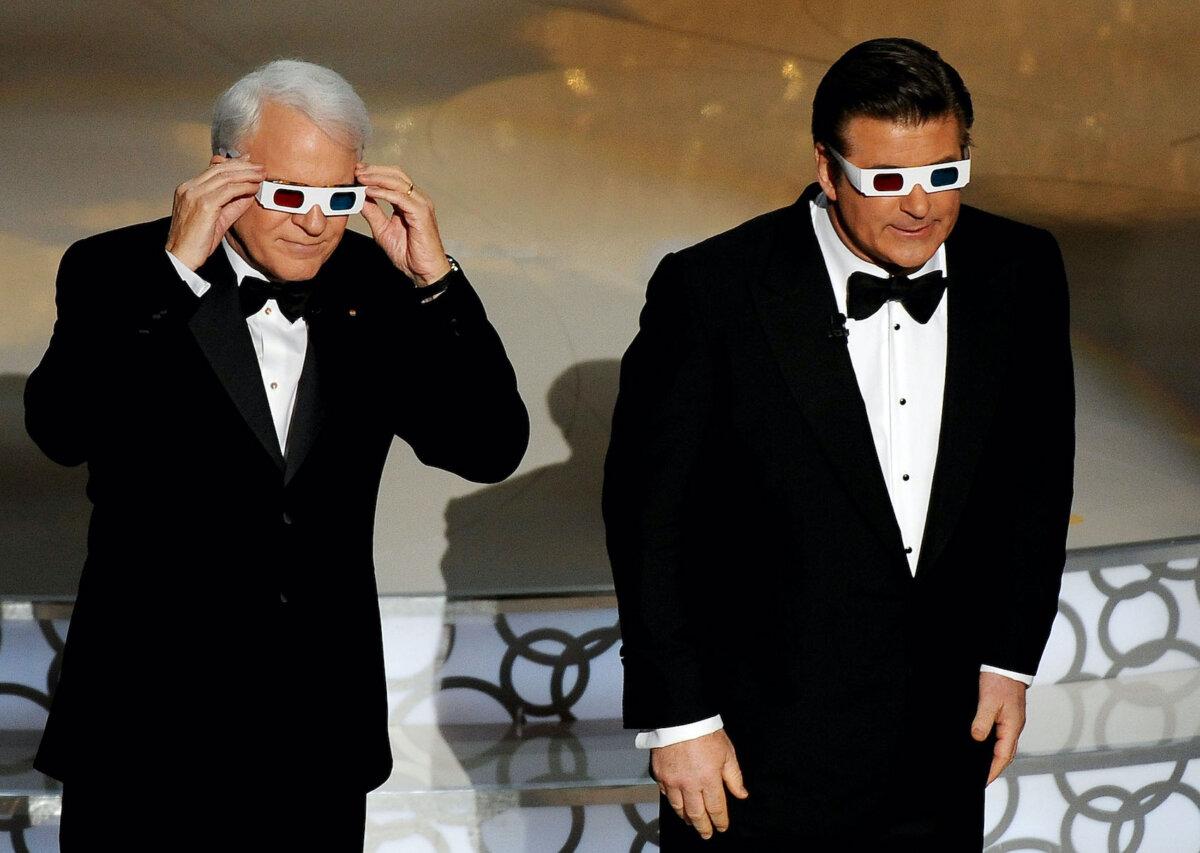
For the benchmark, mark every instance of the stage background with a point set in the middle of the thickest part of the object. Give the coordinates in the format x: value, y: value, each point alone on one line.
x: 568, y: 146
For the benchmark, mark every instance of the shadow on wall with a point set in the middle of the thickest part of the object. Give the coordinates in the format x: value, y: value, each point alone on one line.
x: 542, y: 531
x: 43, y: 509
x: 1133, y: 291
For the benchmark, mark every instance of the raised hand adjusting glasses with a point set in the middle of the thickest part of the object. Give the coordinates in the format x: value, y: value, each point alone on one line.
x: 935, y: 178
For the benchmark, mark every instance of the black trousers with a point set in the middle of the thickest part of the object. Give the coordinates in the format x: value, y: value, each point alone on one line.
x: 158, y: 815
x: 938, y: 831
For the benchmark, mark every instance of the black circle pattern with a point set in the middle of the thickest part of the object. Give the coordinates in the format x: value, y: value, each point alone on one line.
x: 575, y: 657
x: 566, y: 659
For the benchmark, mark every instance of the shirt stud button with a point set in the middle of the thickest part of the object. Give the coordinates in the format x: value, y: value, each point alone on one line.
x: 274, y: 385
x: 903, y: 401
x: 905, y: 478
x: 897, y: 327
x: 908, y: 550
x: 267, y: 310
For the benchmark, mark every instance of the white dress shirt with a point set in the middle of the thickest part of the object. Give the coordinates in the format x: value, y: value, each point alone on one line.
x: 900, y: 366
x: 279, y: 343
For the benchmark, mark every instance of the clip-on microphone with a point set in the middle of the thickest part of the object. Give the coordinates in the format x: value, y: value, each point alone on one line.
x: 837, y: 327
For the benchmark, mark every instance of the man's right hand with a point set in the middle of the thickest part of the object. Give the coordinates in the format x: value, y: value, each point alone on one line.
x: 693, y: 775
x: 207, y: 205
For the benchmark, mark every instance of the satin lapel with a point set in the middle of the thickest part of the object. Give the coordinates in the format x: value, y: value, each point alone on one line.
x: 795, y: 303
x: 972, y: 365
x: 313, y: 390
x: 220, y: 329
x: 310, y: 409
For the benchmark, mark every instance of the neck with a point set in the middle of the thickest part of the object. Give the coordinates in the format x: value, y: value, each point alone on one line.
x: 239, y: 247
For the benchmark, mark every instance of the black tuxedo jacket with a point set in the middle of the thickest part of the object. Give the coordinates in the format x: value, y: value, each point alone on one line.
x: 758, y: 564
x: 227, y: 624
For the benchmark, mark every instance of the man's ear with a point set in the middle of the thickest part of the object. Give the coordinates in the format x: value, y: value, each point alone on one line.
x: 824, y: 172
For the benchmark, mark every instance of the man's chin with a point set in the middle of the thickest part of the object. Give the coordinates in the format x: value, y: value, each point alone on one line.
x: 911, y: 257
x: 293, y: 269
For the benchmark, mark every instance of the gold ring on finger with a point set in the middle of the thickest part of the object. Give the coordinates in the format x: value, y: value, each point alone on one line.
x: 411, y: 187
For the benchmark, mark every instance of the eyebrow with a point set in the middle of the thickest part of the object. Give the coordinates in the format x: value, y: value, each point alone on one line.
x: 934, y: 163
x: 315, y: 186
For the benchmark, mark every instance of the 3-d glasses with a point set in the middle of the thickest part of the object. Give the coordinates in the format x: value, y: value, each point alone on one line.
x: 933, y: 179
x: 293, y: 198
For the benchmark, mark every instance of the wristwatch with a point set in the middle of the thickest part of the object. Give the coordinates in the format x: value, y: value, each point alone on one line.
x: 429, y: 292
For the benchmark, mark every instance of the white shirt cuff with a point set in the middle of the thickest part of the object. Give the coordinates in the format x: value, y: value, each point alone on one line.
x: 198, y: 285
x: 1008, y: 673
x: 654, y: 738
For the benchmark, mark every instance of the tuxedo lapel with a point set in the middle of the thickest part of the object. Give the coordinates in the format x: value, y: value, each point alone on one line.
x: 220, y: 329
x: 796, y: 305
x: 972, y: 365
x: 309, y: 412
x: 322, y: 315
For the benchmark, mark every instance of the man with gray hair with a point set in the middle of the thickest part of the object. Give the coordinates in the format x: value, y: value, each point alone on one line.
x: 233, y: 376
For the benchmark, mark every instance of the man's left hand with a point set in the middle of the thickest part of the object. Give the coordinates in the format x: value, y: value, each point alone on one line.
x: 409, y: 235
x: 1001, y: 705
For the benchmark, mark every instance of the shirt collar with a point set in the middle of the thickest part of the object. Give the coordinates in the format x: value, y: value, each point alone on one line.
x: 241, y: 269
x: 841, y: 262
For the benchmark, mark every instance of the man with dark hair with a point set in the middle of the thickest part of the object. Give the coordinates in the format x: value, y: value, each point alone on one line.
x: 838, y: 489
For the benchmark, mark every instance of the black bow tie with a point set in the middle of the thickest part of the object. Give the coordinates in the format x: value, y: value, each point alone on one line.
x: 866, y: 293
x: 290, y: 296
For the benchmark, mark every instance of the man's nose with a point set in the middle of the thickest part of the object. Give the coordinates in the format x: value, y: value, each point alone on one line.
x: 312, y: 222
x: 916, y: 203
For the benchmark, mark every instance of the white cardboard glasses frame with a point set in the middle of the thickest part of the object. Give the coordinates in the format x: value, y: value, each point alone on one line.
x: 292, y: 198
x: 935, y: 178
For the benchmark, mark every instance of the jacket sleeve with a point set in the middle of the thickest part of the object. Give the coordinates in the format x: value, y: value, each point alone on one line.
x: 1040, y: 436
x: 466, y: 415
x: 60, y: 394
x: 662, y: 415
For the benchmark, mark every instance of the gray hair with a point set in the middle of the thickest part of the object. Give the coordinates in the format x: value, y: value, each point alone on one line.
x: 321, y: 94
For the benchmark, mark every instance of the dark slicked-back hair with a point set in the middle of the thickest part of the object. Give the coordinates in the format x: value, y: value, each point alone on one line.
x: 894, y: 79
